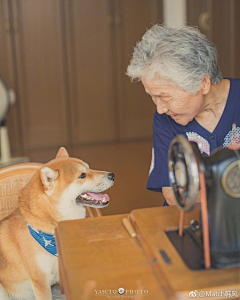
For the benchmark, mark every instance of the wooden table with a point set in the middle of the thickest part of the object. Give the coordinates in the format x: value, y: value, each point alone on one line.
x: 97, y: 256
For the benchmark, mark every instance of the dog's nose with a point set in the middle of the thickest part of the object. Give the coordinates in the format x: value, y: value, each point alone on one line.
x: 111, y: 176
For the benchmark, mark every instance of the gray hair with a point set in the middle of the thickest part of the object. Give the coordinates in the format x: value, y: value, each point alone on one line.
x: 182, y: 55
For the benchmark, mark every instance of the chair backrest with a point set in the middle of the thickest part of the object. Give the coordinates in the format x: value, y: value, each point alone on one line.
x: 13, y: 179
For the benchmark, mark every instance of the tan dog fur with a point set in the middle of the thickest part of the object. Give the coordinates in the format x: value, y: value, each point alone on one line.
x: 27, y: 270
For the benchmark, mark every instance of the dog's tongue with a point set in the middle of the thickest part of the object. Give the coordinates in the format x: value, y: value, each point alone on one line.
x: 99, y: 196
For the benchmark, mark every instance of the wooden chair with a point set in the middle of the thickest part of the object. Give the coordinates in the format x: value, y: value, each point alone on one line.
x: 12, y: 179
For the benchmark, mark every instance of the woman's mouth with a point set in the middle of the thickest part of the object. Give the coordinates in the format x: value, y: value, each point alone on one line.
x: 174, y: 116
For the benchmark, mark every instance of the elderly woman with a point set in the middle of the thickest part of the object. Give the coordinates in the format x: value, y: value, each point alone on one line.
x: 178, y: 69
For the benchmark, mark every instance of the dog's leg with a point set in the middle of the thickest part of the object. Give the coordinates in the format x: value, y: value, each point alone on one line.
x: 41, y: 289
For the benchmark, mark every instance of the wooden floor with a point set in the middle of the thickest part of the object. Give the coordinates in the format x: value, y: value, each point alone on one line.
x: 129, y: 161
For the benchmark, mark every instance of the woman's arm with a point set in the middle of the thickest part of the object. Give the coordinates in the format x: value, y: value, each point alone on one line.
x: 168, y: 194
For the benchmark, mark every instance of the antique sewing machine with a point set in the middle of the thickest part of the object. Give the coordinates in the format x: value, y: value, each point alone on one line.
x: 214, y: 241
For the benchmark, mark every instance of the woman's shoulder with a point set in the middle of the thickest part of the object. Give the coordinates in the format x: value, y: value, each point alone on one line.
x: 234, y: 92
x: 161, y: 121
x: 234, y: 80
x: 234, y: 84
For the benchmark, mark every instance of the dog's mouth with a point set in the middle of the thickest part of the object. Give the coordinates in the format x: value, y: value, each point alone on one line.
x: 93, y: 199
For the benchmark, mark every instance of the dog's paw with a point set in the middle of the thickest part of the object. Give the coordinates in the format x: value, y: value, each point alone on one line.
x: 56, y: 293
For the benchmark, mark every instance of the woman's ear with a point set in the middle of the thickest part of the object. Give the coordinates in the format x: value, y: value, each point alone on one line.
x: 206, y: 85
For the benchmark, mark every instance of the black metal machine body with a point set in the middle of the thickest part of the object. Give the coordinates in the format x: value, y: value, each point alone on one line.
x: 222, y: 178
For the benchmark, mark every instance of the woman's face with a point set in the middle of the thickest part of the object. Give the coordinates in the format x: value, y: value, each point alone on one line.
x: 180, y: 105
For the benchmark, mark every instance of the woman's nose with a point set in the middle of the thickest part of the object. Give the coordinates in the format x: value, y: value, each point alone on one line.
x: 161, y: 107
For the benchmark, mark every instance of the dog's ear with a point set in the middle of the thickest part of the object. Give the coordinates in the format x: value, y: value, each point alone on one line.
x: 48, y: 177
x: 62, y: 152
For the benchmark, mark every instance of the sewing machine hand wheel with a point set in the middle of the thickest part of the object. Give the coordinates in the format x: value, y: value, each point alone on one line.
x: 183, y: 164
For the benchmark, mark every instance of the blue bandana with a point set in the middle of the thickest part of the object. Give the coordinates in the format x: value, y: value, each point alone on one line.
x: 47, y: 241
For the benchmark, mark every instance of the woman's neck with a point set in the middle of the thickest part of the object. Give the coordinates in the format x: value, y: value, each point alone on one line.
x: 217, y: 96
x: 214, y: 103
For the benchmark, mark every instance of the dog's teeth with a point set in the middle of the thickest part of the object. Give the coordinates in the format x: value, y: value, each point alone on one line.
x: 104, y: 200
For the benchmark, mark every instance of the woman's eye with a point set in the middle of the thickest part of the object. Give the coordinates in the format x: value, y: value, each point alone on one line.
x: 83, y: 175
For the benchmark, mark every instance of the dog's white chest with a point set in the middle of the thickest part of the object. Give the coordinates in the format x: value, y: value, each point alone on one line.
x: 48, y: 263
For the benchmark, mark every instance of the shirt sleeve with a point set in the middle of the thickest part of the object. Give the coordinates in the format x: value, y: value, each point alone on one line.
x: 162, y: 137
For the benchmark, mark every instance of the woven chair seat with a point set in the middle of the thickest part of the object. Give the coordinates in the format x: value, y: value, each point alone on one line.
x: 9, y: 190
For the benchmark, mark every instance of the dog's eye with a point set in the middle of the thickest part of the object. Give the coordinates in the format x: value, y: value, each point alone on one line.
x: 83, y: 175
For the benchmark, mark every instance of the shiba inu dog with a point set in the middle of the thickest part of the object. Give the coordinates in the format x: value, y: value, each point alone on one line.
x: 59, y: 191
